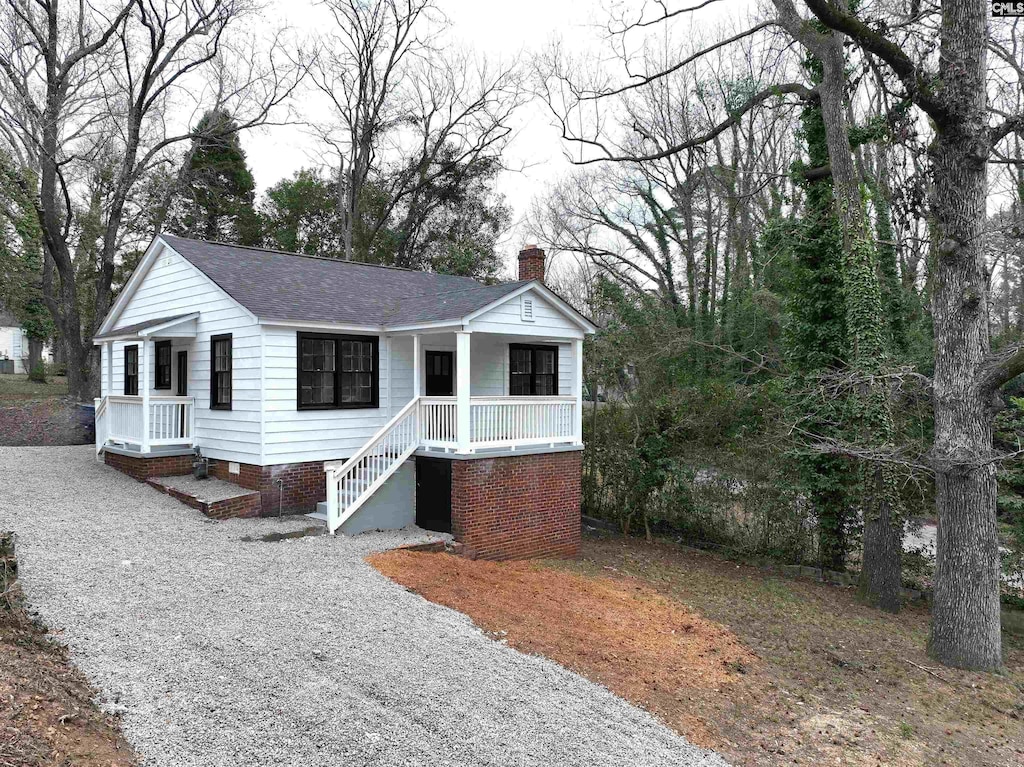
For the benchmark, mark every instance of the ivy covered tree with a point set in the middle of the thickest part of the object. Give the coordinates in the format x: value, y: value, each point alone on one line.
x: 21, y: 260
x: 816, y: 341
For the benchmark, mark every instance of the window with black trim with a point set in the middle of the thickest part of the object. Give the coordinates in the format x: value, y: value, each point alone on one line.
x: 533, y: 370
x: 131, y: 370
x: 336, y: 371
x: 162, y: 373
x: 220, y: 372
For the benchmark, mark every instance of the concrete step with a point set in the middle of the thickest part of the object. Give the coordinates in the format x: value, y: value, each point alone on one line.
x: 320, y: 516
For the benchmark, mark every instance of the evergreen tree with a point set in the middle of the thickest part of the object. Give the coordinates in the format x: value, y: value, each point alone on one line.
x: 300, y: 215
x: 215, y: 194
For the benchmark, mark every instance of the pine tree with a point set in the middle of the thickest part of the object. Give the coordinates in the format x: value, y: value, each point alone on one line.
x: 215, y: 194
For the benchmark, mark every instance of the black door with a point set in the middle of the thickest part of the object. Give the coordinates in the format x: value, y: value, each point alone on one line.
x: 440, y: 374
x: 182, y: 389
x: 182, y: 374
x: 434, y: 494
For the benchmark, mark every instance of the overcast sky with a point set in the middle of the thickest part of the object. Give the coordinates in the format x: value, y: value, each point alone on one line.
x: 501, y: 30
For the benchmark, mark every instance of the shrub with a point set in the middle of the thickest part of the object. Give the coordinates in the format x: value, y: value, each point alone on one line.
x: 38, y: 373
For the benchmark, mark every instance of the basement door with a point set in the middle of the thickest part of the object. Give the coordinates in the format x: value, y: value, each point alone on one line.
x: 434, y: 494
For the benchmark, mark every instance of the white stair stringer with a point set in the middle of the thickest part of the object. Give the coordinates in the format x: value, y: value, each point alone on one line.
x: 351, y: 483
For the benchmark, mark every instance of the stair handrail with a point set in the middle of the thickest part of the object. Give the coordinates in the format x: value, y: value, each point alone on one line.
x: 338, y: 466
x: 336, y: 471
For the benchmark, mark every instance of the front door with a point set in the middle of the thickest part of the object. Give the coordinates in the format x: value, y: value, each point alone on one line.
x: 182, y: 387
x: 440, y: 374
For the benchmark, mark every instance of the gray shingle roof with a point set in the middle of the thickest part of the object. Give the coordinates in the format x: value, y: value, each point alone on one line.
x: 286, y: 286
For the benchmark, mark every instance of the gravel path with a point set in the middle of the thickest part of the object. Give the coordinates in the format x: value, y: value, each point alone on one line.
x: 220, y: 651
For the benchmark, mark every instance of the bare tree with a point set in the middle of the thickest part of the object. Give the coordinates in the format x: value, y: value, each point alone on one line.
x: 406, y: 114
x: 83, y: 87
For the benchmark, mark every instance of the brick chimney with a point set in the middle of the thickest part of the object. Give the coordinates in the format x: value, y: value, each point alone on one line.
x: 531, y: 263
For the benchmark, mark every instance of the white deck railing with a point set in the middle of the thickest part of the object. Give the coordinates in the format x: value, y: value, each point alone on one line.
x: 120, y: 419
x: 438, y: 422
x: 521, y: 421
x: 499, y: 422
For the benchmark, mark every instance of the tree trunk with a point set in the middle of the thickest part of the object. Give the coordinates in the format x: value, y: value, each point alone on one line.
x: 35, y: 353
x: 965, y: 614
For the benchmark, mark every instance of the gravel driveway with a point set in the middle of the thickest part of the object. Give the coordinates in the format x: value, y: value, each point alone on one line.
x: 221, y: 651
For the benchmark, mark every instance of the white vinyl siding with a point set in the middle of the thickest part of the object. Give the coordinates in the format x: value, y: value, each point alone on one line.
x: 507, y: 318
x: 172, y: 287
x: 292, y: 435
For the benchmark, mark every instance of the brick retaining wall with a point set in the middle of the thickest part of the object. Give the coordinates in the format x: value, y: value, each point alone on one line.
x: 248, y: 505
x: 304, y: 484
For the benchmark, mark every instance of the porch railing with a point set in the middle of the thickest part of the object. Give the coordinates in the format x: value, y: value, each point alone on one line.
x: 499, y: 422
x: 521, y: 421
x: 121, y: 419
x: 438, y: 422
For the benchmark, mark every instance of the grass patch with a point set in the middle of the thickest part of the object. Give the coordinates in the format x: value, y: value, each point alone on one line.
x: 17, y: 388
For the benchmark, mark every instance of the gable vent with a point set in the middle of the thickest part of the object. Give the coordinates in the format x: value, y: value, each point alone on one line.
x: 526, y: 307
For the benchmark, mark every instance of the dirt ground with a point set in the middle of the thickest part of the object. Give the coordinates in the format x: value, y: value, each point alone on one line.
x: 766, y: 670
x: 37, y: 414
x: 47, y: 715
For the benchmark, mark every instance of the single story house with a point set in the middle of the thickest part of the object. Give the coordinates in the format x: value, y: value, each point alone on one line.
x: 369, y: 396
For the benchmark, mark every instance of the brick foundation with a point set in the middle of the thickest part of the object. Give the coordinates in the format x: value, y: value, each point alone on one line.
x: 142, y: 469
x: 518, y: 507
x: 303, y: 484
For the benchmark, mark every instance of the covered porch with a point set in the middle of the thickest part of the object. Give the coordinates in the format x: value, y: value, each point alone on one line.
x: 485, y: 392
x: 146, y: 407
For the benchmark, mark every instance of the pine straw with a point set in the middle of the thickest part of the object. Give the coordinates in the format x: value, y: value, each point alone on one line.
x: 768, y: 671
x: 617, y: 632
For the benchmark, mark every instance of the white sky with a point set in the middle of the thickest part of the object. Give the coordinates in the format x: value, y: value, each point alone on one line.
x: 499, y: 30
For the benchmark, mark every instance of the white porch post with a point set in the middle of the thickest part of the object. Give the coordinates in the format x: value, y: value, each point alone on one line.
x: 108, y: 346
x: 577, y: 356
x: 144, y: 390
x: 417, y: 366
x: 462, y: 363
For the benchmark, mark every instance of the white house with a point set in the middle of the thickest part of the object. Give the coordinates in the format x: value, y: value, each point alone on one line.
x: 316, y: 381
x: 14, y: 345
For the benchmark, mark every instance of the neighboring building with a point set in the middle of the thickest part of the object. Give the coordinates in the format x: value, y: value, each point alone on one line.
x: 378, y: 396
x: 14, y: 345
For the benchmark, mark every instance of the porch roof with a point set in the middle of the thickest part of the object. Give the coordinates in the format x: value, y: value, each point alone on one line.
x: 180, y: 325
